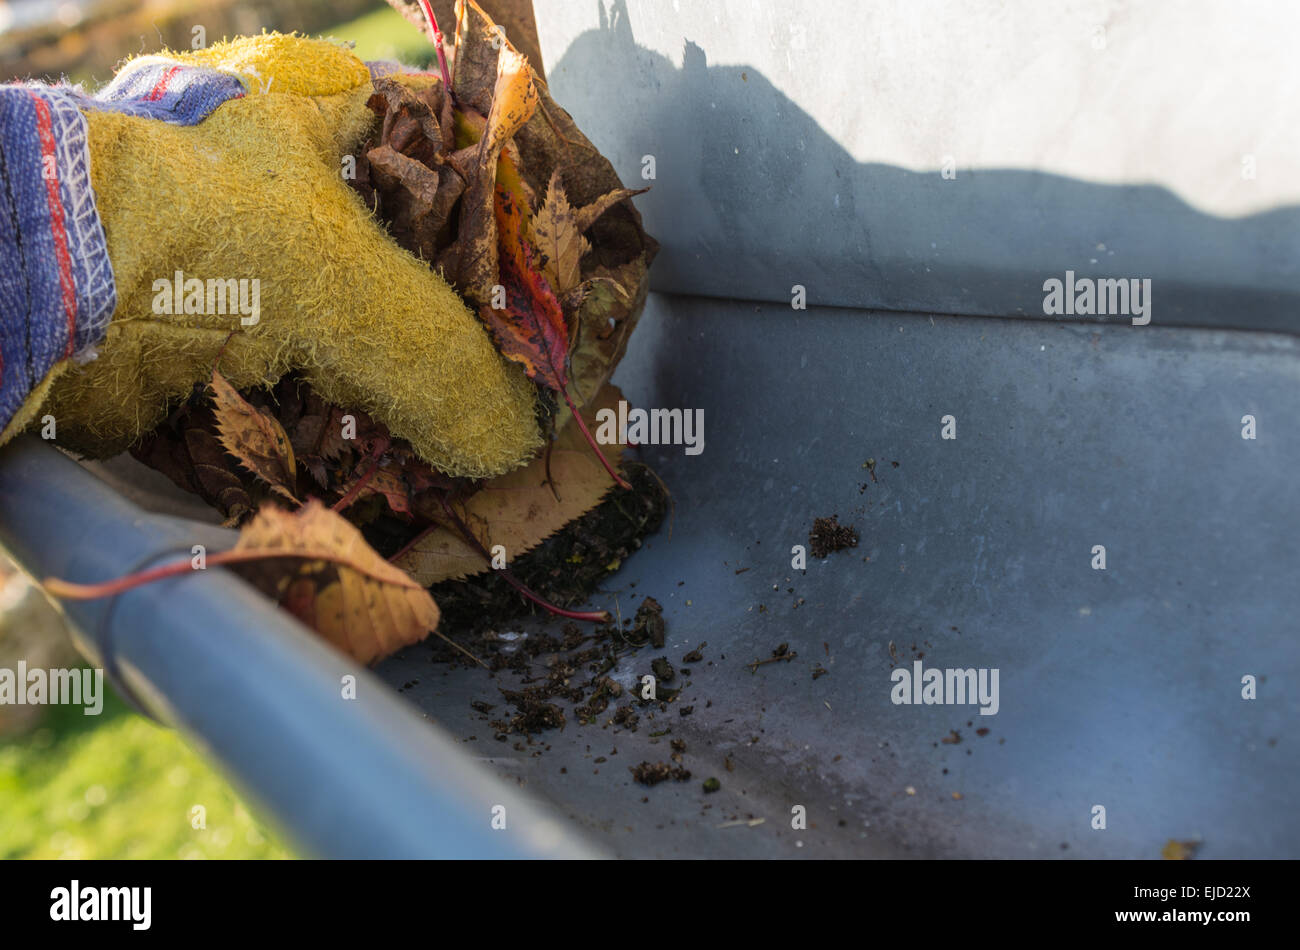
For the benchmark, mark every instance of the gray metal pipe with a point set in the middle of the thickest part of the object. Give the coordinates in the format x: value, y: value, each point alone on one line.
x: 260, y: 694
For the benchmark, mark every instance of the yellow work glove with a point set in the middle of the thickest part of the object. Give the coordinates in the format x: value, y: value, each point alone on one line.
x: 248, y: 200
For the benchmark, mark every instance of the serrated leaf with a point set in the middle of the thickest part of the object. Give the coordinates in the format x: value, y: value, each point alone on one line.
x: 558, y: 238
x: 519, y: 510
x: 253, y: 437
x: 319, y: 567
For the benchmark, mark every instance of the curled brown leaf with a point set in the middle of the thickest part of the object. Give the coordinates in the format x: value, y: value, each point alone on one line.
x: 317, y: 565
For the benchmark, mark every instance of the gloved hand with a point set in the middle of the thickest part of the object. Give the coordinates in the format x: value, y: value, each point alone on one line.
x: 209, y: 167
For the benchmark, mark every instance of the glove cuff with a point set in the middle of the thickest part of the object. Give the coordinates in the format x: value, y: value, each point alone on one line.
x: 56, y: 283
x: 57, y: 292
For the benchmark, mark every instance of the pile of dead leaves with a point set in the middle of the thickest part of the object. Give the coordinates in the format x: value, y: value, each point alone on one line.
x: 496, y: 186
x: 492, y: 184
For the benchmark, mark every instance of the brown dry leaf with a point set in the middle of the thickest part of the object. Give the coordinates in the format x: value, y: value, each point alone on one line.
x: 586, y: 215
x: 387, y: 481
x: 518, y: 510
x: 328, y: 431
x: 515, y: 16
x: 411, y: 124
x: 621, y: 251
x: 602, y: 306
x: 253, y: 437
x: 189, y: 454
x: 557, y: 236
x: 402, y: 176
x: 477, y: 45
x: 514, y: 100
x: 609, y: 312
x: 418, y: 220
x: 320, y: 568
x: 217, y: 484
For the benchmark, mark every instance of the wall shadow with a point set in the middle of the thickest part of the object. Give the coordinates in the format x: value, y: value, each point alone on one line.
x: 752, y: 196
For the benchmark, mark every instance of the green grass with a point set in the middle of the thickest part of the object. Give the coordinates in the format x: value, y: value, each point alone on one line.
x: 117, y: 786
x: 385, y: 34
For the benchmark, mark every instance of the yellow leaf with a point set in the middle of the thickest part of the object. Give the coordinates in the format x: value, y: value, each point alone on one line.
x: 514, y: 100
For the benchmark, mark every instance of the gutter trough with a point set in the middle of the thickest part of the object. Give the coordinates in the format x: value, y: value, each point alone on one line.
x: 258, y: 693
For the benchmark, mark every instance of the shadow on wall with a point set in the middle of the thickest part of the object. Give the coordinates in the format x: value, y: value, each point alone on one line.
x: 752, y: 196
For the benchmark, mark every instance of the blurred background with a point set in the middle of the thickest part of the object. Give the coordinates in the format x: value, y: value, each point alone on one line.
x: 117, y: 785
x: 84, y: 39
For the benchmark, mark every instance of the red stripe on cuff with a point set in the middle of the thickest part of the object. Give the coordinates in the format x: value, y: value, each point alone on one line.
x: 58, y: 229
x: 157, y: 91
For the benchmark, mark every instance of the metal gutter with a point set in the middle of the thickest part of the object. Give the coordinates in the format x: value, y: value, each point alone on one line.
x: 255, y: 690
